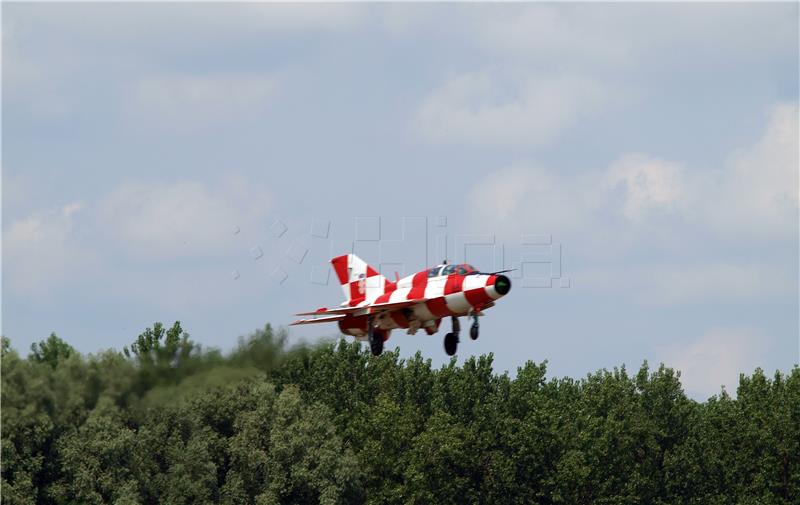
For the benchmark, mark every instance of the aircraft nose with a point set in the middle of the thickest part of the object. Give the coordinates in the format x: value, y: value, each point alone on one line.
x: 502, y: 285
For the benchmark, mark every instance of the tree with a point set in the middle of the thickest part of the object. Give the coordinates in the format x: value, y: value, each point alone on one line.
x: 51, y: 351
x: 168, y: 421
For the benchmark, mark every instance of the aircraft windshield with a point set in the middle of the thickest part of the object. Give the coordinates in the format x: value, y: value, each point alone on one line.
x: 442, y: 270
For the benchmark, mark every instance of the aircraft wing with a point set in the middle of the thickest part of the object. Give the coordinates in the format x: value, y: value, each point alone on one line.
x: 364, y: 309
x: 381, y: 307
x: 313, y: 320
x: 322, y: 312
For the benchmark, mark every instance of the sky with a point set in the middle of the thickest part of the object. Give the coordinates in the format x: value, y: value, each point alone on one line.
x: 636, y: 163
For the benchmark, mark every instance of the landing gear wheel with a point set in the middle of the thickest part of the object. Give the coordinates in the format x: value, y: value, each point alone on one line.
x: 376, y: 345
x: 450, y: 343
x: 375, y: 338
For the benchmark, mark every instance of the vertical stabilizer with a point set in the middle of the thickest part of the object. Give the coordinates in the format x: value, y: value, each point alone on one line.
x: 359, y: 280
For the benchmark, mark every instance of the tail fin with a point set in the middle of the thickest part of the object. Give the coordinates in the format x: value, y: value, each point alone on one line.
x: 359, y: 280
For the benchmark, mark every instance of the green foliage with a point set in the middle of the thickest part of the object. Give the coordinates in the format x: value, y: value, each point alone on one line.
x: 50, y: 351
x: 166, y: 421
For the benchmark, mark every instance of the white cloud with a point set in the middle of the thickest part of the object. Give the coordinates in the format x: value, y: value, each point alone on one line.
x: 664, y: 284
x: 755, y: 194
x: 180, y: 219
x: 594, y: 46
x: 716, y: 359
x: 48, y: 249
x: 600, y: 37
x: 530, y: 194
x: 758, y: 192
x: 40, y: 71
x: 635, y: 187
x: 603, y: 36
x: 649, y: 185
x: 553, y: 32
x: 44, y: 249
x: 641, y: 204
x: 719, y: 282
x: 187, y: 102
x: 477, y: 108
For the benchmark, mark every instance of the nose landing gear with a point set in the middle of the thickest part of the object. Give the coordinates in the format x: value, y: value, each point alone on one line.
x: 451, y: 339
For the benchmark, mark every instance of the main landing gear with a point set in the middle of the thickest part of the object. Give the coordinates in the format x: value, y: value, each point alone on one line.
x: 375, y: 338
x: 473, y: 330
x: 451, y: 339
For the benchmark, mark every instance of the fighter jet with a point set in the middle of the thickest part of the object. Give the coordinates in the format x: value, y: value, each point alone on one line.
x: 374, y: 305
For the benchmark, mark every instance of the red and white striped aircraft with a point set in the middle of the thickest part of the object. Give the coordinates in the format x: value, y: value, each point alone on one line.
x: 374, y: 305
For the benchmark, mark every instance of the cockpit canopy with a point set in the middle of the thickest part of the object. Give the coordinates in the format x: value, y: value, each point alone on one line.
x: 442, y: 270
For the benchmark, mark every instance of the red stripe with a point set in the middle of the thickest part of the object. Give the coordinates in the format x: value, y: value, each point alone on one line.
x: 356, y: 296
x: 438, y: 307
x: 399, y: 319
x: 371, y: 271
x: 419, y: 282
x: 340, y: 267
x: 477, y: 297
x: 384, y: 298
x: 353, y: 322
x: 454, y: 284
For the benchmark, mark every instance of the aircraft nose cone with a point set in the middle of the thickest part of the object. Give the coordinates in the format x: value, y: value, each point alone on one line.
x: 502, y: 285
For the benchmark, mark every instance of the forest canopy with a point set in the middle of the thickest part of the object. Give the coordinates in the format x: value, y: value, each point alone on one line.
x: 168, y: 421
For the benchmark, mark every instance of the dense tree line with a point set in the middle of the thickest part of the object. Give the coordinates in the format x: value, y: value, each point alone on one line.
x: 167, y: 421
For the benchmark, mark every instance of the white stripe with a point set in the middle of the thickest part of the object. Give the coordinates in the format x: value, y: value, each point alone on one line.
x: 475, y: 282
x: 435, y: 287
x: 405, y: 282
x: 422, y: 312
x: 399, y: 295
x: 457, y: 303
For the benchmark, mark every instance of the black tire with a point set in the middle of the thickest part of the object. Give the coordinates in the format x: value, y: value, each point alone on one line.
x: 450, y: 344
x: 473, y: 332
x: 376, y: 345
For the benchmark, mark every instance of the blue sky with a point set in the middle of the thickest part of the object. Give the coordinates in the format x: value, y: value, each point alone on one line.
x: 202, y: 162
